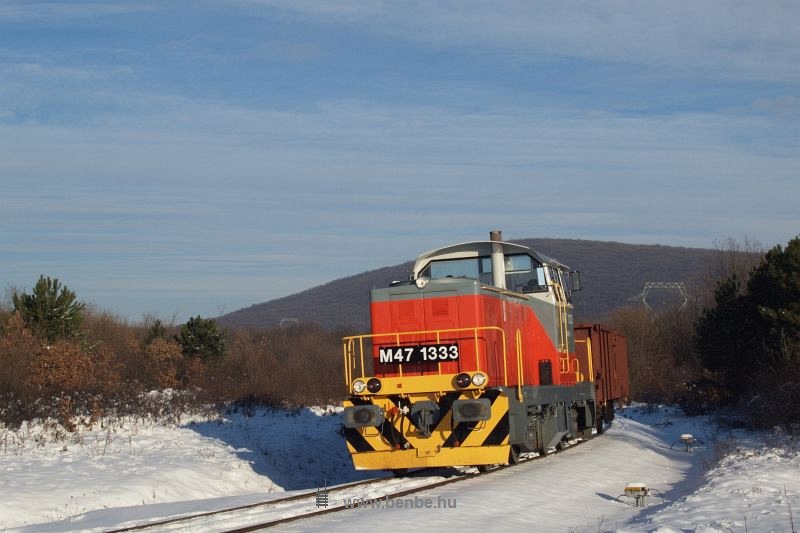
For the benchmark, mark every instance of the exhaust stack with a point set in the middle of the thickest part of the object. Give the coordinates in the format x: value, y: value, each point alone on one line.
x: 498, y: 260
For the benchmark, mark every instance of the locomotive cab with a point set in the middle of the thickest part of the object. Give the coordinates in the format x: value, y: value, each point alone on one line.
x: 469, y: 362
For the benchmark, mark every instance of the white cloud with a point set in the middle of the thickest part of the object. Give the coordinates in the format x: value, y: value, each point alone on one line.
x: 21, y: 11
x: 296, y: 51
x: 354, y: 161
x: 785, y: 107
x: 717, y: 39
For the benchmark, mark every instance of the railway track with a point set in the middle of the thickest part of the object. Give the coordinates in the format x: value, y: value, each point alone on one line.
x: 284, y: 509
x: 262, y: 515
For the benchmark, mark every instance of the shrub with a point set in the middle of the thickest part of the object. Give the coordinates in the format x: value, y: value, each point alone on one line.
x: 65, y: 367
x: 163, y: 359
x: 18, y: 348
x: 661, y: 362
x: 112, y: 367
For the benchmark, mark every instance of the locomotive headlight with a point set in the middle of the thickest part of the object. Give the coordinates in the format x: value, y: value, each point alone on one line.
x: 421, y: 283
x: 374, y: 385
x: 359, y: 386
x: 463, y: 380
x: 479, y: 379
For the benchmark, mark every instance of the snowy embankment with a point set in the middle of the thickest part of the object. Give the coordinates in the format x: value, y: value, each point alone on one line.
x: 133, y: 469
x: 128, y: 470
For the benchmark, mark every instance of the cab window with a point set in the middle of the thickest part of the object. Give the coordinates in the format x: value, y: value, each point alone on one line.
x: 524, y: 274
x: 560, y: 277
x: 479, y: 268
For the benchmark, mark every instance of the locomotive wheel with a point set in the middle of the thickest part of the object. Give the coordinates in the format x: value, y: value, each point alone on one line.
x: 483, y: 468
x: 599, y: 418
x: 599, y: 425
x: 513, y: 455
x: 608, y: 412
x: 543, y: 452
x: 400, y: 472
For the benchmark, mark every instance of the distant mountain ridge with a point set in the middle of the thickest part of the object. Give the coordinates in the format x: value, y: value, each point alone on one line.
x: 611, y: 272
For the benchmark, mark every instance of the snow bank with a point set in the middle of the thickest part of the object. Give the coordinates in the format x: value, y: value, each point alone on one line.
x: 131, y: 462
x: 131, y: 470
x: 754, y: 487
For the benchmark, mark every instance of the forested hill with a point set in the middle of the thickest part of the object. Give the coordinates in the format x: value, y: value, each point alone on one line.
x: 611, y: 272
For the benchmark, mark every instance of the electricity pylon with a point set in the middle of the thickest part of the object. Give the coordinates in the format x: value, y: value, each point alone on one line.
x: 649, y: 285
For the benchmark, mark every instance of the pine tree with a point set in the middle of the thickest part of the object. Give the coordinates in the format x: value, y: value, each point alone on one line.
x: 200, y: 337
x: 51, y: 311
x: 774, y: 294
x: 754, y: 333
x: 720, y: 343
x: 157, y: 330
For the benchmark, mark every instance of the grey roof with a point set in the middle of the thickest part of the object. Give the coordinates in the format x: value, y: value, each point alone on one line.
x: 478, y: 249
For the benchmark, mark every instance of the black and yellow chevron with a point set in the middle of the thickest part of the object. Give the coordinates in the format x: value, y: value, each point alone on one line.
x: 420, y: 429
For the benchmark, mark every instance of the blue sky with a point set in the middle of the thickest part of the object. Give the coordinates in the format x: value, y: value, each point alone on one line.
x: 194, y: 157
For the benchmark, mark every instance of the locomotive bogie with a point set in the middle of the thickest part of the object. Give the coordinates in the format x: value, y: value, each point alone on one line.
x: 549, y: 415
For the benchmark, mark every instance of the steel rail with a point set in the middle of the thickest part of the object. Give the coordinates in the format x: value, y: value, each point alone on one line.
x: 186, y: 518
x: 311, y: 496
x: 400, y: 494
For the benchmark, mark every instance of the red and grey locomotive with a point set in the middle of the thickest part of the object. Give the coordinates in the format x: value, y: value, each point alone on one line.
x: 474, y: 360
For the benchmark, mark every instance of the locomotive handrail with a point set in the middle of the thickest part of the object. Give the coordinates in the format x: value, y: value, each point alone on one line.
x: 348, y: 348
x: 519, y: 365
x: 588, y: 342
x: 561, y: 301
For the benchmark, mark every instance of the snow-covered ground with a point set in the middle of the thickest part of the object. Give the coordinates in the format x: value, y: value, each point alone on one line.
x: 134, y: 470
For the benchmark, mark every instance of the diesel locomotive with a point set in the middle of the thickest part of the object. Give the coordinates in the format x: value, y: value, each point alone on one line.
x: 474, y: 360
